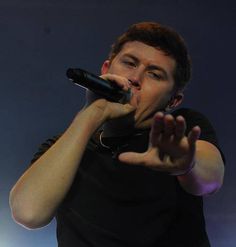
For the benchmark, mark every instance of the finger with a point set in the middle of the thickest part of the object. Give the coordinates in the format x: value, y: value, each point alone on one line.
x: 169, y: 126
x: 157, y: 128
x: 128, y: 108
x: 120, y: 81
x: 132, y: 158
x: 180, y: 127
x: 141, y: 159
x: 194, y: 135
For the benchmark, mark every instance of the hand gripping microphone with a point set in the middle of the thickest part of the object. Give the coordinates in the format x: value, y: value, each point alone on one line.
x: 107, y: 89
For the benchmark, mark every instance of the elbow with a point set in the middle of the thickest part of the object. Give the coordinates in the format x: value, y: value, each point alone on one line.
x: 213, y: 186
x: 25, y: 220
x: 205, y: 189
x: 210, y: 175
x: 217, y: 184
x: 24, y: 215
x: 218, y: 179
x: 203, y: 185
x: 210, y: 189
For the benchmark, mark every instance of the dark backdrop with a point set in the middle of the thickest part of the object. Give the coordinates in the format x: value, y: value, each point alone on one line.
x: 41, y: 39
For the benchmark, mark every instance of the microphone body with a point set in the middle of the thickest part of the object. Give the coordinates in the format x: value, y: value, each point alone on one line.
x: 104, y: 88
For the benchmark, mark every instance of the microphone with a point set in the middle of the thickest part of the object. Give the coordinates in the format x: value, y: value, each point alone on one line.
x: 104, y: 88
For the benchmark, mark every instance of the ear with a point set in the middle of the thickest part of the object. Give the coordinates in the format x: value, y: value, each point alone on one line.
x: 175, y: 101
x: 105, y: 67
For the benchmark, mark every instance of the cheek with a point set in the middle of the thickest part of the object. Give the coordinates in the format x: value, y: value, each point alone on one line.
x: 115, y: 67
x: 154, y: 99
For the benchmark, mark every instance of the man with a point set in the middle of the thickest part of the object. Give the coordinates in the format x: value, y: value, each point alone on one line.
x: 140, y: 180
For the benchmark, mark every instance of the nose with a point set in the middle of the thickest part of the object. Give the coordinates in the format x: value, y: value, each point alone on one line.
x: 135, y: 80
x: 134, y: 83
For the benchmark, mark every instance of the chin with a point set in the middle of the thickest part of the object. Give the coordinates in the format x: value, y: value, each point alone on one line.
x: 143, y: 124
x: 143, y: 120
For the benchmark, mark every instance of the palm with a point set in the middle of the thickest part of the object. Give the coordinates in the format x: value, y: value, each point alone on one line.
x: 169, y: 149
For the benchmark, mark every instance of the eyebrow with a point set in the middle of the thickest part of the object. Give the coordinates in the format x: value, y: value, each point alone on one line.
x: 150, y: 67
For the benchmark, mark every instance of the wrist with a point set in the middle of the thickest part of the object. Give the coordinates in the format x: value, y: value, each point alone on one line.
x: 88, y: 119
x: 187, y: 171
x: 100, y: 110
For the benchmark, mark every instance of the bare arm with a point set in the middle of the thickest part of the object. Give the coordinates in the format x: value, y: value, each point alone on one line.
x: 206, y: 177
x: 40, y: 190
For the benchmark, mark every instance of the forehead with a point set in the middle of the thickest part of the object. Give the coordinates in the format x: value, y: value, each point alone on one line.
x: 148, y: 55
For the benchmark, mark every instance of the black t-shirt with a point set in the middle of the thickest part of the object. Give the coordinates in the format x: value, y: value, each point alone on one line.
x: 117, y: 205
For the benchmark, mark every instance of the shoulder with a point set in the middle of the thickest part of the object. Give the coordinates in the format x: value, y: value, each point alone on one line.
x: 193, y: 118
x: 188, y: 113
x: 196, y: 118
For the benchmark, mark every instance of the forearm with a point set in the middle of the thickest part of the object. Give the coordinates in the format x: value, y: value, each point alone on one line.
x: 40, y: 190
x: 206, y: 177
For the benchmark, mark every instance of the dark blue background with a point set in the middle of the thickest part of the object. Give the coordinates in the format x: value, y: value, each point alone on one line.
x: 41, y: 39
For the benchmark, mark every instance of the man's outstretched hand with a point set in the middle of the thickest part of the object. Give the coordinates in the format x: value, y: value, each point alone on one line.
x: 169, y: 149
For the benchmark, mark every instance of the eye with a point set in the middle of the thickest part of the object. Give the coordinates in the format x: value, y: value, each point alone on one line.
x: 129, y: 63
x: 155, y: 76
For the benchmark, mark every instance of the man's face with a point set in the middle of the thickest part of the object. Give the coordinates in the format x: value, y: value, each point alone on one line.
x: 151, y: 74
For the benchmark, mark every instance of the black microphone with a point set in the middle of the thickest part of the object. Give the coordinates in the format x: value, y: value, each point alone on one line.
x: 96, y: 84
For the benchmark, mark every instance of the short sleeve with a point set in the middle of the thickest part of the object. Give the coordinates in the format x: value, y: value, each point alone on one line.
x: 195, y: 118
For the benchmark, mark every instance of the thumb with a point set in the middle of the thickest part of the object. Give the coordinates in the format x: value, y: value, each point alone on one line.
x: 129, y: 108
x: 131, y: 158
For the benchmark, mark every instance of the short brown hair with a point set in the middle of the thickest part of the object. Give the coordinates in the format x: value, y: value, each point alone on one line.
x: 163, y: 38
